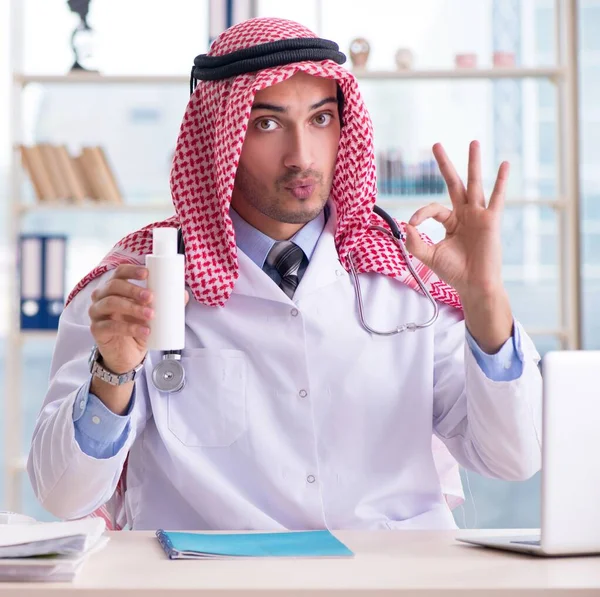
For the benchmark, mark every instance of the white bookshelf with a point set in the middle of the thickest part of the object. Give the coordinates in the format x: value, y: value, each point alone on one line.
x: 563, y: 76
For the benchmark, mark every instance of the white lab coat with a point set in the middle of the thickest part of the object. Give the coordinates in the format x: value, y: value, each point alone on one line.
x: 293, y: 416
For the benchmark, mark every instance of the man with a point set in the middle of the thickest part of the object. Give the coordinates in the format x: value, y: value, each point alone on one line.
x: 293, y: 415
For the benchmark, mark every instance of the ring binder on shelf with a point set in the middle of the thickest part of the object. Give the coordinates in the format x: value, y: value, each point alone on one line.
x: 42, y: 264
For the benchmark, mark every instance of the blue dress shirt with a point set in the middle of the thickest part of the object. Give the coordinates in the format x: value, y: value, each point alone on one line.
x: 96, y: 427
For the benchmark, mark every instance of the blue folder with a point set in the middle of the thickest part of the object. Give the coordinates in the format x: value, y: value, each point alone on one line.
x: 42, y: 280
x: 299, y: 544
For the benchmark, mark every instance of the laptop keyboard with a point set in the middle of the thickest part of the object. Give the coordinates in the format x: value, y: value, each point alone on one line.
x: 534, y: 542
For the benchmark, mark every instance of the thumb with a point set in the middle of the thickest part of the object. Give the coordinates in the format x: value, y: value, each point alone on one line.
x: 418, y: 247
x: 187, y: 297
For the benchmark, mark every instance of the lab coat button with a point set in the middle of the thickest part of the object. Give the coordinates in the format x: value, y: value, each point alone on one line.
x: 95, y: 420
x: 338, y: 273
x: 310, y: 478
x: 82, y: 404
x: 294, y: 312
x: 303, y: 393
x: 507, y: 364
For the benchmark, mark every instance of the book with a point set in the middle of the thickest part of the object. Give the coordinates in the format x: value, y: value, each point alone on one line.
x: 33, y: 163
x: 110, y: 179
x: 298, y: 544
x: 73, y: 177
x: 93, y: 175
x: 51, y: 160
x: 50, y: 538
x: 100, y: 175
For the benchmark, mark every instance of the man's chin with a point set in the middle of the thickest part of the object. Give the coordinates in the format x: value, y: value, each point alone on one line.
x: 302, y: 212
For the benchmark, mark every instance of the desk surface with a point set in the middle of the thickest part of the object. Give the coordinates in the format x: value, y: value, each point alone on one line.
x: 386, y: 562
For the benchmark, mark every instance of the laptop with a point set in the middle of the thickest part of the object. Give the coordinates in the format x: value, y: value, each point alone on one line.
x: 570, y: 489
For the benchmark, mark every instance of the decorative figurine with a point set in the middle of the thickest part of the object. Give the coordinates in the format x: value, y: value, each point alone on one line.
x: 359, y: 52
x: 82, y: 38
x: 465, y: 60
x: 504, y: 59
x: 404, y: 59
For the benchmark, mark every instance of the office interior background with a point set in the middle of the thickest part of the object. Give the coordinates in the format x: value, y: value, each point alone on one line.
x: 548, y: 108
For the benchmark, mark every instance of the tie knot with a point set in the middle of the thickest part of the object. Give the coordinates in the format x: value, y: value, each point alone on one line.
x: 289, y: 260
x: 286, y: 257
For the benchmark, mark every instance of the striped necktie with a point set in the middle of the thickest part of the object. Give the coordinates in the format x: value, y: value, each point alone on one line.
x: 290, y: 262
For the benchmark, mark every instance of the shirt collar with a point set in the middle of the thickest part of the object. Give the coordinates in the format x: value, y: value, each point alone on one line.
x: 257, y: 245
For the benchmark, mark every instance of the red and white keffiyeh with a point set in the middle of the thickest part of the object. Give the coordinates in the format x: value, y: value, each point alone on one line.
x: 202, y: 180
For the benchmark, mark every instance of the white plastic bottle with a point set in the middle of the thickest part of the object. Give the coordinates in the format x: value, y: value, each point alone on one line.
x: 166, y: 281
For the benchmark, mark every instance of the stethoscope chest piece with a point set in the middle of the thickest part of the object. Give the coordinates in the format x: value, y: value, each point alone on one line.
x: 169, y: 375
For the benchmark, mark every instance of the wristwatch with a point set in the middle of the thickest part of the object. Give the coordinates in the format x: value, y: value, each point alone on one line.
x: 114, y: 379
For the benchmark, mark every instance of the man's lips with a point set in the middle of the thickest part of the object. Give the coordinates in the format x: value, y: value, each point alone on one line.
x: 302, y: 192
x: 306, y: 182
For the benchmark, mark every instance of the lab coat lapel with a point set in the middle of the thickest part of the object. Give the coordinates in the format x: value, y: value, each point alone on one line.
x: 324, y: 267
x: 254, y: 282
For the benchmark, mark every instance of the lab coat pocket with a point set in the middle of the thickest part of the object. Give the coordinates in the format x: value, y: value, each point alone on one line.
x: 210, y: 411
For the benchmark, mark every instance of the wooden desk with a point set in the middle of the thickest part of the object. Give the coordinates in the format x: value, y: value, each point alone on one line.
x: 386, y: 563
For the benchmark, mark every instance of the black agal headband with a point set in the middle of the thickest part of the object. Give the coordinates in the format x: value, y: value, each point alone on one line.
x: 259, y: 57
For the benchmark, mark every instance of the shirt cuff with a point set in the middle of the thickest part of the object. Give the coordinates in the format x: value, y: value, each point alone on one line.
x: 504, y: 365
x: 99, y: 432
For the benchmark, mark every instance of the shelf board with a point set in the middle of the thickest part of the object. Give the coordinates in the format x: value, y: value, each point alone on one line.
x: 451, y: 73
x: 386, y: 201
x: 415, y: 201
x: 93, y: 207
x: 96, y: 79
x: 463, y: 73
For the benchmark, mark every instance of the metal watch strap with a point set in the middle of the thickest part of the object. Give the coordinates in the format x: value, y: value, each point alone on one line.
x: 114, y: 379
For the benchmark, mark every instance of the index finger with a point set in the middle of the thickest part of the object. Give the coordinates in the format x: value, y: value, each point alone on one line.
x: 128, y: 271
x: 123, y: 288
x: 456, y: 188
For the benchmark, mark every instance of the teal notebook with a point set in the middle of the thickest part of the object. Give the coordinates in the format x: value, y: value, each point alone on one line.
x: 297, y: 544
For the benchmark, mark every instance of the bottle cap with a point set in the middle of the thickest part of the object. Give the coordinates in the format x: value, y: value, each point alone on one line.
x: 164, y: 241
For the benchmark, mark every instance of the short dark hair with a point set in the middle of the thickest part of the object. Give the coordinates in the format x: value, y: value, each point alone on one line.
x: 340, y: 102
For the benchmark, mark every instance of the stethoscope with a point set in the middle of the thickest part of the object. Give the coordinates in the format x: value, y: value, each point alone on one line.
x: 168, y: 374
x: 396, y: 235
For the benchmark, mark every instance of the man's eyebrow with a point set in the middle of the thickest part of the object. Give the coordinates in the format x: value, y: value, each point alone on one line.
x: 269, y: 107
x: 327, y: 100
x: 284, y: 109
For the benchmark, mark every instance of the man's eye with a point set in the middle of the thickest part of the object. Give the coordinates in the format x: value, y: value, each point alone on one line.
x: 323, y: 119
x: 266, y: 125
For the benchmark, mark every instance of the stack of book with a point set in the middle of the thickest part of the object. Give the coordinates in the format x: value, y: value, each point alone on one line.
x: 48, y: 551
x: 56, y: 175
x: 396, y: 176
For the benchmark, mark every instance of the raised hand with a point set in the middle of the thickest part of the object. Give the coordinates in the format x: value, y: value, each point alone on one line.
x: 469, y: 258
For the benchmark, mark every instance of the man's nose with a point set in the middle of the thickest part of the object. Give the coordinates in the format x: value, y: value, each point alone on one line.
x: 299, y: 154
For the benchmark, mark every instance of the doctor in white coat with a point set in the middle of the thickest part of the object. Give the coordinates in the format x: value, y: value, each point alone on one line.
x: 293, y: 416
